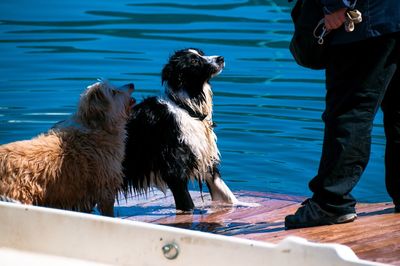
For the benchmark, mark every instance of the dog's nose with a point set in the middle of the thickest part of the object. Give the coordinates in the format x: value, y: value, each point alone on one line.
x: 220, y: 59
x: 130, y: 87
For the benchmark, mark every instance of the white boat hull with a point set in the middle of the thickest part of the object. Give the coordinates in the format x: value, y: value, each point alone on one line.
x: 46, y: 236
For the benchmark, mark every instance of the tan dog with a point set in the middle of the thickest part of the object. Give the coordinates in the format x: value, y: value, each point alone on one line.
x: 76, y: 164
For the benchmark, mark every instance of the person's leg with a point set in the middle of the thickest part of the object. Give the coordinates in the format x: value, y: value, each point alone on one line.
x: 391, y: 120
x: 357, y: 76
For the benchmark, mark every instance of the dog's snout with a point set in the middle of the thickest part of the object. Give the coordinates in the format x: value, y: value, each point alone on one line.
x: 220, y: 59
x: 130, y: 87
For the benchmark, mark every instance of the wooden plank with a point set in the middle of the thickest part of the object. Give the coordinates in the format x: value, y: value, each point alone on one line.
x: 374, y: 236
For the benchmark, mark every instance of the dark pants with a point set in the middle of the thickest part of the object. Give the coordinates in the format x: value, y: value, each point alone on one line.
x: 360, y: 77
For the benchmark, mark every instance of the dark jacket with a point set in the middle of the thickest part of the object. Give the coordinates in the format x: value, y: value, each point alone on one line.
x: 379, y: 17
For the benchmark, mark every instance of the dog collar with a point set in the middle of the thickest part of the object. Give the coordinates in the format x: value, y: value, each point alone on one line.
x: 189, y: 110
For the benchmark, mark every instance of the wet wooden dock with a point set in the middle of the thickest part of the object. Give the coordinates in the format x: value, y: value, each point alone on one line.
x: 374, y: 236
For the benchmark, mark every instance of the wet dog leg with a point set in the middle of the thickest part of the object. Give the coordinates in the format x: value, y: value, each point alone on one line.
x: 218, y: 189
x: 106, y: 207
x: 183, y: 200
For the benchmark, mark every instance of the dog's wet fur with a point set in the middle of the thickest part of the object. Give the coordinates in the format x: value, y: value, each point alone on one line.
x: 78, y: 163
x: 171, y: 138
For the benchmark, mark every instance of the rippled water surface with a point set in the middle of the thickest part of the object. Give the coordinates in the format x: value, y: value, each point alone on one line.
x: 267, y: 108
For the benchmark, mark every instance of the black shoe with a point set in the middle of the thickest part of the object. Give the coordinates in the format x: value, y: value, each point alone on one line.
x: 311, y: 214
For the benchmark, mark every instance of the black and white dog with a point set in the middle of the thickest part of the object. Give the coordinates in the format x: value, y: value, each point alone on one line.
x: 171, y: 138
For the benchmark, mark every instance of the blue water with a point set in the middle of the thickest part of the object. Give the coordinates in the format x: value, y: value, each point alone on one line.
x: 267, y: 108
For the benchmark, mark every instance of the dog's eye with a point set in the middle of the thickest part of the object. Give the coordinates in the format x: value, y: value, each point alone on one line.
x: 114, y: 92
x: 194, y: 61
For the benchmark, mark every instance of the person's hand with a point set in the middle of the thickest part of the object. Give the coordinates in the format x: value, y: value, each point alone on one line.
x: 336, y: 19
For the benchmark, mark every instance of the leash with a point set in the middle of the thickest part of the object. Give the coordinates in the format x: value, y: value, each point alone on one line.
x: 324, y: 31
x: 352, y: 17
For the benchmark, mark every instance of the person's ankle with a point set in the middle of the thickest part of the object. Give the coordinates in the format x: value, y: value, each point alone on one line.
x: 311, y: 214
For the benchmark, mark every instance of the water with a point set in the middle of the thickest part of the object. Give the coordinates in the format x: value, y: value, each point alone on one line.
x: 267, y: 108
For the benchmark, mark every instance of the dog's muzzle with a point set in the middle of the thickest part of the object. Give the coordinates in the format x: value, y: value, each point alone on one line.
x: 129, y: 88
x: 220, y: 60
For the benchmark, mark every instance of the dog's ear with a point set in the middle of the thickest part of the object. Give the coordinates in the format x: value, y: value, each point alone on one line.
x: 166, y: 74
x: 171, y: 77
x: 94, y: 106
